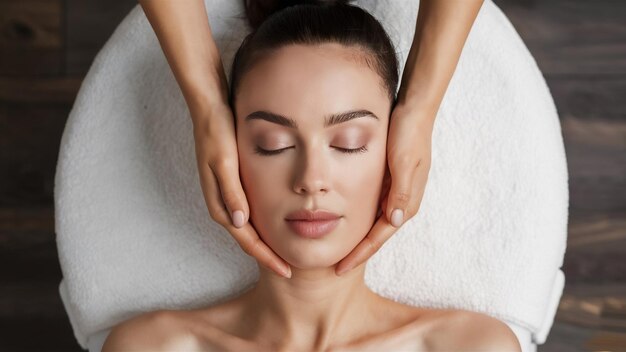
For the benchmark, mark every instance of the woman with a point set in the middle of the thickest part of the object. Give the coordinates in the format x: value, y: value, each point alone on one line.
x: 312, y: 104
x: 185, y: 36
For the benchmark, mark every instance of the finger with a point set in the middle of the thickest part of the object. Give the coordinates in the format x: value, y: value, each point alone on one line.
x: 246, y: 236
x: 400, y: 193
x: 382, y: 230
x: 252, y: 245
x: 382, y: 200
x: 212, y: 197
x: 233, y: 196
x: 419, y: 186
x: 386, y: 186
x: 373, y: 241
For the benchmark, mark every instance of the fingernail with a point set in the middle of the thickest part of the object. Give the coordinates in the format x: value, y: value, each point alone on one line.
x: 287, y: 273
x: 396, y: 217
x: 238, y: 218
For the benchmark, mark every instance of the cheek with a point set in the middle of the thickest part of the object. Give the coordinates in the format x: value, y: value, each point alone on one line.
x: 356, y: 181
x: 362, y: 178
x: 361, y: 188
x: 265, y: 190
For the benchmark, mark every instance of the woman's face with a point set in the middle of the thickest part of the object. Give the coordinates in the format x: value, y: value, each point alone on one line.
x: 306, y: 85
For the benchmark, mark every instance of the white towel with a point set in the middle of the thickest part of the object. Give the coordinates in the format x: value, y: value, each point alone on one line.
x: 134, y: 233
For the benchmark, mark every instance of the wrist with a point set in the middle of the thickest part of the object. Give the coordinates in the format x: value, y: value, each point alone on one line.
x: 423, y: 111
x: 203, y: 103
x: 205, y: 91
x: 204, y: 100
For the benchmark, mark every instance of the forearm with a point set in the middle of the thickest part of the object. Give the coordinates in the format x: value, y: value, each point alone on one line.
x: 184, y: 33
x: 441, y: 30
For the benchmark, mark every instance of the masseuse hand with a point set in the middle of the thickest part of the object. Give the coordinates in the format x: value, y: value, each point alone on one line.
x: 441, y: 30
x: 185, y: 36
x: 408, y: 158
x: 218, y: 166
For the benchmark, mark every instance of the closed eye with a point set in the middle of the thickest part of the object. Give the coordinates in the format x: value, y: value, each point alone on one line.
x: 262, y: 151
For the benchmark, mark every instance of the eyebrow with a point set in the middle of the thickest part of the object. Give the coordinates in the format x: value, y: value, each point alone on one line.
x: 330, y: 120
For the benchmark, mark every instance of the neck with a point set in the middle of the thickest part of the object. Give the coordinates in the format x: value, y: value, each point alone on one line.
x: 311, y: 311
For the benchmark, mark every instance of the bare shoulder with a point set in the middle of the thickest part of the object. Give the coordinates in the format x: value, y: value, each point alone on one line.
x: 155, y: 331
x: 468, y: 330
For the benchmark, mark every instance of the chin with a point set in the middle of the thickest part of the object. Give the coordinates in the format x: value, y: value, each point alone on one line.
x: 311, y: 264
x: 307, y: 256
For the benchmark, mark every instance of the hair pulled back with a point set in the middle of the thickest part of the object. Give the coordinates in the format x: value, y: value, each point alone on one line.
x: 278, y: 23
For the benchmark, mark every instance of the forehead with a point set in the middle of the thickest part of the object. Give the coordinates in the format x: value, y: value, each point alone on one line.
x: 311, y: 80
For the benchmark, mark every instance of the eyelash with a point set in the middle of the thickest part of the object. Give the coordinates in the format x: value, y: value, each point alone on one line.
x: 260, y: 151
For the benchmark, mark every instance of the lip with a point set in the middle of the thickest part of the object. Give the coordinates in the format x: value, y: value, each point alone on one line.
x: 312, y: 224
x: 313, y: 229
x: 309, y: 215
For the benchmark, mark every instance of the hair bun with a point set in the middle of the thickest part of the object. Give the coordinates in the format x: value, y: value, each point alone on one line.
x: 258, y: 10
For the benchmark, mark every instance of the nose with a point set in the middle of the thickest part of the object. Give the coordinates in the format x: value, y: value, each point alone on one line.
x: 311, y: 175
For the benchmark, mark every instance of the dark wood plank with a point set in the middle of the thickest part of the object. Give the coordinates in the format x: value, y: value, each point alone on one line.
x: 595, y: 250
x: 596, y: 158
x: 60, y: 90
x: 565, y: 337
x: 30, y: 136
x: 38, y: 334
x: 590, y: 97
x: 31, y: 37
x: 607, y: 341
x: 579, y: 324
x: 572, y: 37
x: 15, y: 221
x: 32, y: 316
x: 89, y: 24
x: 592, y: 312
x: 600, y: 307
x: 28, y: 245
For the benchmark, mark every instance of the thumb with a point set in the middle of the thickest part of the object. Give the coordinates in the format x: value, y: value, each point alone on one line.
x: 233, y: 195
x: 384, y: 193
x: 399, y: 196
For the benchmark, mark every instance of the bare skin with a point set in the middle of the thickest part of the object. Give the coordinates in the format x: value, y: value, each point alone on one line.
x: 186, y: 38
x: 401, y: 328
x: 314, y: 310
x: 365, y: 321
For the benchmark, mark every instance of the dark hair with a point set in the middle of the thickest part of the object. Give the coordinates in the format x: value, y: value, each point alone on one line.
x: 277, y: 23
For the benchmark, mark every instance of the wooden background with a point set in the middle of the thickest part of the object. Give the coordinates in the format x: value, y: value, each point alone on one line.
x: 46, y: 47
